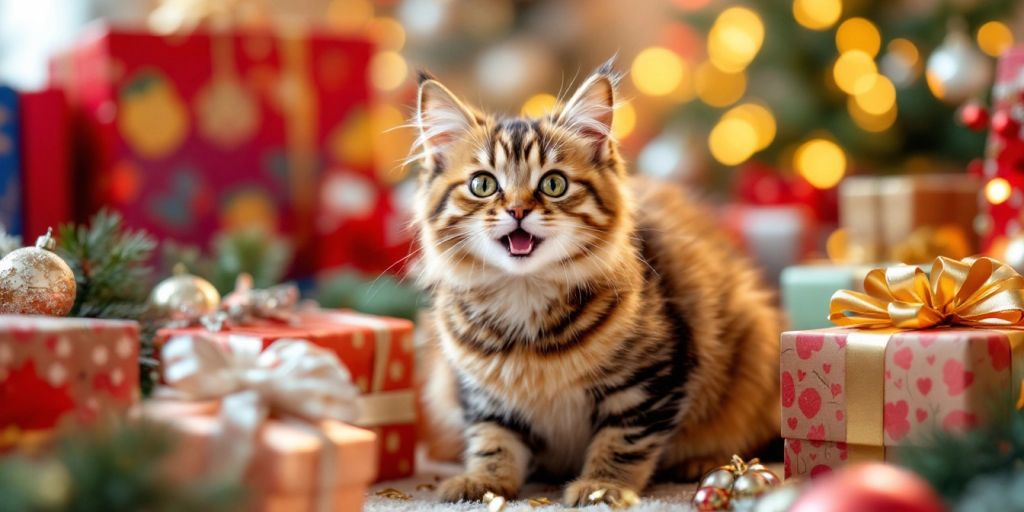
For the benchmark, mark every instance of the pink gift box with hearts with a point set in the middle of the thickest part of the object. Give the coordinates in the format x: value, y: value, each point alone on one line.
x: 851, y: 394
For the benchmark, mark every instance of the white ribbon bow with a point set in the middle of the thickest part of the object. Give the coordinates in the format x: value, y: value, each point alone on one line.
x: 290, y: 377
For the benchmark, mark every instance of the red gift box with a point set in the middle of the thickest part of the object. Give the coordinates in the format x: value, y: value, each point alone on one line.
x: 63, y: 371
x: 853, y: 394
x: 378, y: 352
x: 189, y: 134
x: 45, y: 161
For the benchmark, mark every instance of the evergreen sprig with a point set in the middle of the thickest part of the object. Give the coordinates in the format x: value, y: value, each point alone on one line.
x: 110, y: 468
x: 963, y: 465
x: 111, y: 266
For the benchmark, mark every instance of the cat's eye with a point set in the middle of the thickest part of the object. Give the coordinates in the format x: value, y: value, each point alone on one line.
x: 483, y: 185
x: 554, y: 184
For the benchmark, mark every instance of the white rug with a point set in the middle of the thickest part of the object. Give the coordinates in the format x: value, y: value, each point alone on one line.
x: 659, y: 498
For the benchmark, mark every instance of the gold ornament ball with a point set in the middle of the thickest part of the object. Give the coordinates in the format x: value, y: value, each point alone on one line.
x: 35, y: 281
x: 184, y: 296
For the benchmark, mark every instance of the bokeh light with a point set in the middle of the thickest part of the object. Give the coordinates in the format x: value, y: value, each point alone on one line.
x: 658, y: 71
x: 858, y: 34
x: 388, y: 70
x: 732, y: 141
x: 718, y: 88
x: 854, y: 72
x: 759, y: 117
x: 539, y: 105
x: 387, y: 33
x: 879, y: 98
x: 817, y: 14
x: 870, y: 122
x: 735, y: 39
x: 994, y: 38
x: 349, y: 15
x: 997, y: 190
x: 624, y: 120
x: 821, y: 162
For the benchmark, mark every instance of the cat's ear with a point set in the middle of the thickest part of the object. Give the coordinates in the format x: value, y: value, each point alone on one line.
x: 441, y: 116
x: 590, y: 110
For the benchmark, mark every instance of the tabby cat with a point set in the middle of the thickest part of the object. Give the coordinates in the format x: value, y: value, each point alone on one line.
x: 585, y: 323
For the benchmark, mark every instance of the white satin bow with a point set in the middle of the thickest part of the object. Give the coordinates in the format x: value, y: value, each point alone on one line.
x: 290, y: 377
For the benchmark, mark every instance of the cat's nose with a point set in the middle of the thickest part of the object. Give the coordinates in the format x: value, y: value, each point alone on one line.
x: 518, y: 212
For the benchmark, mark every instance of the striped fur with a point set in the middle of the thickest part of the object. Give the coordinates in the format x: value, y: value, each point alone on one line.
x: 632, y: 339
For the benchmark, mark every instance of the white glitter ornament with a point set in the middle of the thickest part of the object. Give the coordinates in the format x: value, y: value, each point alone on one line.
x: 35, y: 281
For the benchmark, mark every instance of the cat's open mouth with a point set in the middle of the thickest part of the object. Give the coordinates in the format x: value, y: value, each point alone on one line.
x: 520, y: 243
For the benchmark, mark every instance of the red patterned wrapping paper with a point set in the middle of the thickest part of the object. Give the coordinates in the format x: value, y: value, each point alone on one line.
x: 189, y: 134
x: 945, y: 377
x: 378, y: 351
x: 57, y: 372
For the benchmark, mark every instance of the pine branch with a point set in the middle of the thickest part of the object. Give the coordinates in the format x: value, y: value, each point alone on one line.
x: 110, y: 264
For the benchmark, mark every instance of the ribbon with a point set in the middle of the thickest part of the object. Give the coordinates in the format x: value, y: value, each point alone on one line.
x: 246, y: 303
x: 973, y: 292
x: 290, y: 378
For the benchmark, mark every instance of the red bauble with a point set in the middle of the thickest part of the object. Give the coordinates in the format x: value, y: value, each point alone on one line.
x: 974, y: 116
x: 1003, y: 124
x: 711, y: 499
x: 875, y: 487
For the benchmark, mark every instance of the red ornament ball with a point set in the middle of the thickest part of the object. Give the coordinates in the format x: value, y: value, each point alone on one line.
x: 1004, y: 124
x: 876, y: 487
x: 974, y: 116
x: 711, y: 499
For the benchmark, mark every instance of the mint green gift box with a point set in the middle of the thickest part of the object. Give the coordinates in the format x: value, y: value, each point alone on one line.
x: 807, y: 290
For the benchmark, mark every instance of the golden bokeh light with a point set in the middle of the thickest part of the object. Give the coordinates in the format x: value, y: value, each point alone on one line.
x: 658, y: 71
x: 854, y: 72
x: 906, y: 50
x: 997, y: 190
x: 732, y: 141
x: 718, y: 88
x: 387, y: 33
x: 757, y: 116
x: 349, y: 15
x: 624, y: 120
x: 735, y: 38
x: 817, y: 14
x: 858, y: 34
x: 388, y: 70
x: 994, y: 38
x: 821, y: 162
x: 539, y: 105
x: 870, y: 122
x: 879, y: 98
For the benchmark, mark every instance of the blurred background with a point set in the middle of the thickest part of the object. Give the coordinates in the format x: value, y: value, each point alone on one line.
x: 765, y: 108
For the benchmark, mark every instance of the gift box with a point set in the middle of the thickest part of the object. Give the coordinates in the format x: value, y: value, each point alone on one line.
x: 285, y: 473
x: 45, y: 161
x: 910, y: 219
x: 1004, y: 155
x: 378, y: 351
x: 187, y: 134
x: 806, y: 290
x: 855, y: 393
x: 10, y: 162
x: 57, y: 372
x: 775, y: 237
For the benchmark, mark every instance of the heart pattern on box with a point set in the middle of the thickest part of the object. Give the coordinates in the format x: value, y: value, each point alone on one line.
x: 814, y: 459
x: 941, y: 377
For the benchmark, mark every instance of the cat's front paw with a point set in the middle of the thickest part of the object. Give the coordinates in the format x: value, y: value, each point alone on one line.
x: 585, y: 492
x: 473, y: 487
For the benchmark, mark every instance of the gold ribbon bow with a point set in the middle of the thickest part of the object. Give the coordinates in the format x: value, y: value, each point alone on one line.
x: 972, y: 292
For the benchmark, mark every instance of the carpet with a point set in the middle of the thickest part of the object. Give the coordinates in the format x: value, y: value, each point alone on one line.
x: 664, y: 497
